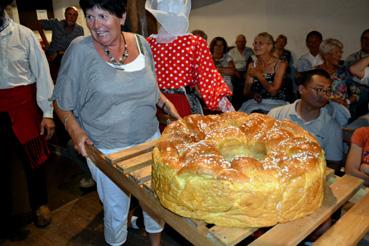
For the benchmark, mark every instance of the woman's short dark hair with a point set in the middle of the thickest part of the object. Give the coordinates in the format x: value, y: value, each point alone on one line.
x: 215, y: 40
x: 305, y: 77
x: 115, y: 7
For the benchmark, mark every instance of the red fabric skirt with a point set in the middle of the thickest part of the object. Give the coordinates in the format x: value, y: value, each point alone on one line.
x: 181, y: 103
x: 25, y: 116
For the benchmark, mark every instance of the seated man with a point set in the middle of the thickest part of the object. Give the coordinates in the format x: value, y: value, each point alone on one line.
x: 63, y: 32
x: 240, y: 56
x: 311, y: 59
x: 357, y: 162
x: 315, y: 88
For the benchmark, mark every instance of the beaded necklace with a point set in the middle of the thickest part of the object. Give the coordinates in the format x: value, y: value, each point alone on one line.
x: 121, y: 59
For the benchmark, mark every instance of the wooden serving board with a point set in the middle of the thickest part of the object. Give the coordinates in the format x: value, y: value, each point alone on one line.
x: 130, y: 169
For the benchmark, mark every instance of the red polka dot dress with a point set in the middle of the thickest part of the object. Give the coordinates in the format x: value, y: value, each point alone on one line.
x: 187, y: 61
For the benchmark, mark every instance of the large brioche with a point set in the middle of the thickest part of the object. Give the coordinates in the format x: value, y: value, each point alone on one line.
x: 238, y: 170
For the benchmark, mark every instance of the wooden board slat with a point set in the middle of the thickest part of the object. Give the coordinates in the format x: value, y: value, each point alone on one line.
x: 141, y: 175
x: 329, y: 172
x: 134, y: 163
x: 293, y: 232
x: 131, y: 152
x: 362, y: 192
x: 231, y: 236
x: 147, y: 186
x: 199, y: 225
x: 350, y: 228
x: 95, y: 154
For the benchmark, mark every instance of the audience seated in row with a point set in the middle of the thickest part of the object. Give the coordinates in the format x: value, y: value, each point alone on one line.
x: 348, y: 101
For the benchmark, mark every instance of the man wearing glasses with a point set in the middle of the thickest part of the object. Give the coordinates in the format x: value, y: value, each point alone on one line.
x: 308, y: 112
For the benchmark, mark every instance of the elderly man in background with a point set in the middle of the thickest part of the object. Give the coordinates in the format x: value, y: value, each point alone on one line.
x: 63, y: 32
x: 240, y: 56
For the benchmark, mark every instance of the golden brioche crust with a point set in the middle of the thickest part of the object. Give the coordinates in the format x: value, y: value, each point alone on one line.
x: 238, y: 170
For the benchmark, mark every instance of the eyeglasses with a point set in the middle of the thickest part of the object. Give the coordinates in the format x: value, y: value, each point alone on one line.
x: 321, y: 91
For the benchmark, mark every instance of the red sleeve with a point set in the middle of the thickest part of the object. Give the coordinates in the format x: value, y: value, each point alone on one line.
x: 209, y: 81
x: 361, y: 137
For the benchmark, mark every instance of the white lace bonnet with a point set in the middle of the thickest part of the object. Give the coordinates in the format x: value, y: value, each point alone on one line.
x: 172, y: 15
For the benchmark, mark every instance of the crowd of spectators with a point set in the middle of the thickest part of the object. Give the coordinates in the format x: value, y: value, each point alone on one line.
x: 326, y: 95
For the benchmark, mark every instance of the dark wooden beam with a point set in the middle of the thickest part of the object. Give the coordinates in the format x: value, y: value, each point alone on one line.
x: 141, y: 21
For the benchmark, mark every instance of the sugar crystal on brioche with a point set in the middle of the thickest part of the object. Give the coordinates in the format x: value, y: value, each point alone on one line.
x: 238, y: 170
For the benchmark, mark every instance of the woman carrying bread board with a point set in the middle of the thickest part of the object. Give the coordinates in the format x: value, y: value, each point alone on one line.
x: 106, y: 95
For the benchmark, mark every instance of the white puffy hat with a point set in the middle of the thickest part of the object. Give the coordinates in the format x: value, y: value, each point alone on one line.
x: 171, y: 14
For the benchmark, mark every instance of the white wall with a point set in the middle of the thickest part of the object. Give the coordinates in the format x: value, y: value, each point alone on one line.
x: 341, y: 19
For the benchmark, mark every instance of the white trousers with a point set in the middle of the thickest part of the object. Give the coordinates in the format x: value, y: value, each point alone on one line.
x: 116, y: 205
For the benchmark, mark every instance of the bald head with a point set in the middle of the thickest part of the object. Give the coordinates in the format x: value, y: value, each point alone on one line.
x: 241, y: 42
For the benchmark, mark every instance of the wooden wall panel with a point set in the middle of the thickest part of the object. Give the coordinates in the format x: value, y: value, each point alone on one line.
x: 141, y: 21
x: 27, y: 11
